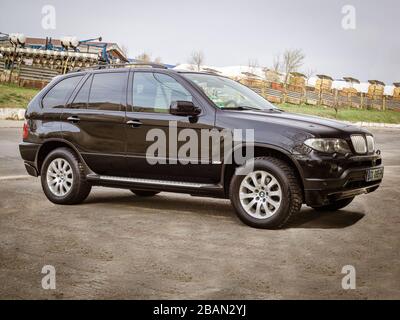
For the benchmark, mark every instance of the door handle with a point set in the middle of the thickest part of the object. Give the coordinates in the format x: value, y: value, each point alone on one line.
x: 134, y: 123
x: 73, y: 119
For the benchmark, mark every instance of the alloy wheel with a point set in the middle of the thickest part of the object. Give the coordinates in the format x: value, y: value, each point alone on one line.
x: 260, y: 194
x: 60, y: 177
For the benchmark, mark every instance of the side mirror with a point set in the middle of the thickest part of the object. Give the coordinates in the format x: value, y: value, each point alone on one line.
x: 184, y: 108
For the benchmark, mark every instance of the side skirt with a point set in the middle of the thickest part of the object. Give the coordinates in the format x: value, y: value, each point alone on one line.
x: 193, y: 188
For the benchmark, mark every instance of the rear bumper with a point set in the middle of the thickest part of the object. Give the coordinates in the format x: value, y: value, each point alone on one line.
x: 31, y: 169
x: 28, y: 153
x: 352, y: 182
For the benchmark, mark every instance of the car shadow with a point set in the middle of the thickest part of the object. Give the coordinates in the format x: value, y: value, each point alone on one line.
x: 309, y: 218
x: 161, y: 202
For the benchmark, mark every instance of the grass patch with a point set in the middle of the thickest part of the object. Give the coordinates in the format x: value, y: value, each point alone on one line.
x: 346, y: 114
x: 12, y: 96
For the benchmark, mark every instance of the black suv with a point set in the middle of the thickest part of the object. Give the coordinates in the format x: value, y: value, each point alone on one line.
x: 95, y: 128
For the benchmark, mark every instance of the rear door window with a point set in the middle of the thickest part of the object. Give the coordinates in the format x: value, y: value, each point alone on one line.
x: 107, y: 91
x: 82, y: 98
x: 58, y: 95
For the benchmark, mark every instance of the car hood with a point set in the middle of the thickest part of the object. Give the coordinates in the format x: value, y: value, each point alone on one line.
x: 314, y: 125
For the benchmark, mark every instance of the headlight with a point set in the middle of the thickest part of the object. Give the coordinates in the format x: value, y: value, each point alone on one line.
x: 328, y: 145
x: 370, y: 144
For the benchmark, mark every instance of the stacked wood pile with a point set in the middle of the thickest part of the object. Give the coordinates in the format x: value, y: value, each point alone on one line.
x: 376, y: 89
x: 273, y: 76
x: 297, y: 79
x: 396, y: 91
x: 251, y: 80
x: 276, y: 86
x: 353, y: 96
x: 296, y: 88
x: 375, y: 94
x: 349, y: 91
x: 323, y: 87
x: 323, y: 83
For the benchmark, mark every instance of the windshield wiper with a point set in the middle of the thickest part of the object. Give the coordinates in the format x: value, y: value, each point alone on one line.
x: 241, y: 108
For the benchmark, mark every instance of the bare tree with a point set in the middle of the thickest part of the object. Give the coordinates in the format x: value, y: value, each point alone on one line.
x: 147, y: 58
x: 197, y: 59
x: 125, y: 50
x: 292, y: 60
x: 253, y: 65
x: 309, y: 72
x: 143, y: 57
x: 277, y: 63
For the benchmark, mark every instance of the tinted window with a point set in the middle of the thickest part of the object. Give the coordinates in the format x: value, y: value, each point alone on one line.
x: 82, y: 98
x: 154, y: 92
x: 58, y: 95
x: 107, y: 90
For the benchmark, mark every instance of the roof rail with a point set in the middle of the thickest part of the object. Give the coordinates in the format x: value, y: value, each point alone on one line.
x: 120, y: 65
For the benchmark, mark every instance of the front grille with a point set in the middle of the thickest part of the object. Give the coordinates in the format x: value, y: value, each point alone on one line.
x: 359, y: 143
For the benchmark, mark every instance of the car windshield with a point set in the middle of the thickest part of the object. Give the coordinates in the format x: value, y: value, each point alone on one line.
x: 229, y: 94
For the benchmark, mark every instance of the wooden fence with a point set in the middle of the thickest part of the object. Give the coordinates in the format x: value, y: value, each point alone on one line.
x: 31, y: 76
x: 275, y: 93
x: 27, y: 76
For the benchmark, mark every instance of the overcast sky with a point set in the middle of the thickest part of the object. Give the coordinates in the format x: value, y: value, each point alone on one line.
x: 230, y: 32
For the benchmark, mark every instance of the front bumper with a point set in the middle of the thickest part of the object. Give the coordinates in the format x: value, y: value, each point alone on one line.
x: 328, y: 179
x: 320, y: 197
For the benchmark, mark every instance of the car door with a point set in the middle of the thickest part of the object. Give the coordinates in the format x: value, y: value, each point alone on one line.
x: 53, y: 103
x: 150, y: 94
x: 94, y: 122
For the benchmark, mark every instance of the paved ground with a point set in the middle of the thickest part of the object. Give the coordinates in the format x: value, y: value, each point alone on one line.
x: 116, y: 245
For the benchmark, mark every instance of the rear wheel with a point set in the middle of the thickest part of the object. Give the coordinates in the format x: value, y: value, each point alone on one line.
x: 267, y: 194
x: 143, y: 193
x: 63, y: 179
x: 335, y: 205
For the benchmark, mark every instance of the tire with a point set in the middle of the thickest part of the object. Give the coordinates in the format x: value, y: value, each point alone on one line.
x: 143, y: 193
x: 335, y: 205
x: 72, y: 177
x: 290, y: 200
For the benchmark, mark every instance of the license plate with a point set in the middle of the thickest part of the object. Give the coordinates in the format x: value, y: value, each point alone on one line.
x: 374, y: 174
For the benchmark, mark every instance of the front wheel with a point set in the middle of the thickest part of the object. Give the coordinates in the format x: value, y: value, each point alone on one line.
x: 335, y: 205
x: 63, y: 179
x: 267, y: 195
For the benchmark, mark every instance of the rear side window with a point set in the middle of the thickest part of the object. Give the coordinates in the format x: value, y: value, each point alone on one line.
x: 154, y: 92
x: 82, y: 98
x: 58, y: 95
x: 107, y: 90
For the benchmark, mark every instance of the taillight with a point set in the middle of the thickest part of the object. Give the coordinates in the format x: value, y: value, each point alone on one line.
x: 25, y: 131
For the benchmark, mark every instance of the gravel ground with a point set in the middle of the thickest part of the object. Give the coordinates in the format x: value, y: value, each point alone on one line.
x: 173, y: 246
